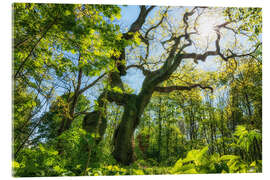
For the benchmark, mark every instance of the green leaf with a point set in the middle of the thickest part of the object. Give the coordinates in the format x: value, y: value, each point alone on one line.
x: 15, y: 164
x: 229, y: 157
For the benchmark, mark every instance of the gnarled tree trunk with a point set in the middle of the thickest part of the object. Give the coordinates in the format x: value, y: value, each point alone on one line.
x: 134, y: 105
x: 123, y: 135
x: 133, y: 109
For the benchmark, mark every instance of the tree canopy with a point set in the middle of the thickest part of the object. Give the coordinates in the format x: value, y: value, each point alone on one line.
x: 77, y: 110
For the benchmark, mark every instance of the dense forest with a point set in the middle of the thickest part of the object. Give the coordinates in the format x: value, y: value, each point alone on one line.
x: 136, y: 90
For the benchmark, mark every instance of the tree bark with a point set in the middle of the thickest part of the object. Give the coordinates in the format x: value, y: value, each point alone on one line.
x: 123, y: 139
x: 123, y: 135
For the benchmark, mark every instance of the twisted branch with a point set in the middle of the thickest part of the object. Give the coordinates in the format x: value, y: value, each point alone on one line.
x: 181, y: 88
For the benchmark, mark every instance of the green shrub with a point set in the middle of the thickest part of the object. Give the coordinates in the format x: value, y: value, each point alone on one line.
x: 199, y: 162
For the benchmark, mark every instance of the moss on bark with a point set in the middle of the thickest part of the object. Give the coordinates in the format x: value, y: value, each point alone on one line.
x: 91, y: 123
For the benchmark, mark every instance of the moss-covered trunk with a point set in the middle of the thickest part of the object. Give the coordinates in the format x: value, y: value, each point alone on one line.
x: 123, y: 140
x: 123, y: 135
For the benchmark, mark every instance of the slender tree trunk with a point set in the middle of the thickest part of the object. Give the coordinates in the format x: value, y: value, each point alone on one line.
x: 222, y: 133
x: 248, y: 105
x: 168, y: 134
x: 159, y: 131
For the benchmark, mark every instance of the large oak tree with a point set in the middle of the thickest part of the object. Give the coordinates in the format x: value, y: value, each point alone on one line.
x: 175, y: 31
x: 158, y: 43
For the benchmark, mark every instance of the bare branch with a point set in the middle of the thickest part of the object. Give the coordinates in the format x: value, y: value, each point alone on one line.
x: 92, y: 84
x: 157, y: 25
x: 181, y: 88
x: 146, y: 41
x: 201, y: 57
x: 150, y: 8
x: 218, y: 52
x: 185, y: 19
x: 79, y: 76
x: 136, y: 26
x: 223, y: 25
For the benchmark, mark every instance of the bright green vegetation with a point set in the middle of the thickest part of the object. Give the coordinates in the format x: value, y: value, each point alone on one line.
x: 45, y: 161
x: 73, y: 114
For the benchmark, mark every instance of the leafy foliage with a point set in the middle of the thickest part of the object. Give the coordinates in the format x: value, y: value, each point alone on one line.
x: 187, y: 118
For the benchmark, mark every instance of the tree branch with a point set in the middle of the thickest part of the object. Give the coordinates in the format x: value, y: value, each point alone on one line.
x: 158, y: 24
x: 113, y: 96
x: 91, y: 84
x: 136, y: 26
x: 181, y: 88
x: 33, y: 48
x: 218, y: 52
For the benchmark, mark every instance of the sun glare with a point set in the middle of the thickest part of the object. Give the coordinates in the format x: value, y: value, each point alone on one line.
x: 206, y: 26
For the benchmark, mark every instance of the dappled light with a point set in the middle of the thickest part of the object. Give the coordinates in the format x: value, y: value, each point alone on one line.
x: 136, y: 90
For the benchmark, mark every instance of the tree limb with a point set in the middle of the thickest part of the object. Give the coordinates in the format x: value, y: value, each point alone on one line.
x: 136, y: 26
x: 91, y: 84
x: 218, y: 52
x: 181, y: 88
x: 155, y: 26
x: 33, y: 48
x: 113, y: 96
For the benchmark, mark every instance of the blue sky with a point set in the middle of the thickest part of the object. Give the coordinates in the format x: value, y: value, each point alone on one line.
x: 129, y: 14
